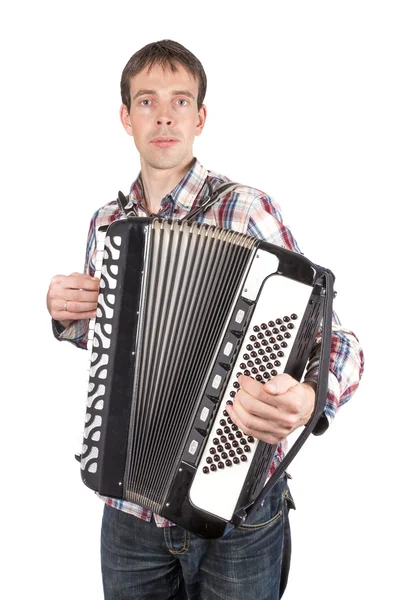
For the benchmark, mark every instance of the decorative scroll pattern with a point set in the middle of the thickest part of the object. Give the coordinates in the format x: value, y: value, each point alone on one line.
x: 100, y: 330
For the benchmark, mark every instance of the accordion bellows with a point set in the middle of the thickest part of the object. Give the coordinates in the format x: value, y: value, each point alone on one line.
x: 183, y: 310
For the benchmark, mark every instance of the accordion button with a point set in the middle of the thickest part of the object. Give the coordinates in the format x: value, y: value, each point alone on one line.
x: 236, y: 460
x: 228, y: 463
x: 213, y: 467
x: 206, y: 470
x: 221, y: 465
x: 243, y: 458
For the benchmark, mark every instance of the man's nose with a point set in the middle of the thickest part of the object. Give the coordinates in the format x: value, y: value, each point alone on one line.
x: 164, y: 116
x: 164, y: 120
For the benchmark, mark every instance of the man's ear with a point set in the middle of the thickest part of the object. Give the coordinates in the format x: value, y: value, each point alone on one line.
x: 201, y: 119
x: 125, y: 119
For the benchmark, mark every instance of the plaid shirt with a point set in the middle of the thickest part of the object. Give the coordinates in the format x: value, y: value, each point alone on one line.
x: 246, y: 210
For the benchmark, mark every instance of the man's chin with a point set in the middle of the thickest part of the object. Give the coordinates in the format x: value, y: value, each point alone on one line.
x: 164, y: 162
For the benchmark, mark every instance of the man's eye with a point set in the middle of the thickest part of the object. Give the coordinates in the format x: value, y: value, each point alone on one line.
x: 145, y: 102
x: 182, y: 102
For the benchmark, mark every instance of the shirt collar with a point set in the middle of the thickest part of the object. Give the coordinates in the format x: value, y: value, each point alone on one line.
x: 183, y: 194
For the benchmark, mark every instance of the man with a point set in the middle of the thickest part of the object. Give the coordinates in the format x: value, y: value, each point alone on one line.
x: 144, y: 556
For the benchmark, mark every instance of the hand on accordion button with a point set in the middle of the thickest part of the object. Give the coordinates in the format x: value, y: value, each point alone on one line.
x: 271, y: 411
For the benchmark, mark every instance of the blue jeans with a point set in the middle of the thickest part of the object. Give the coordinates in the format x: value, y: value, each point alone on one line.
x: 143, y: 561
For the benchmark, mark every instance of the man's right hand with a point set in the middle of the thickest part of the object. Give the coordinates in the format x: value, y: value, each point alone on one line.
x: 72, y: 297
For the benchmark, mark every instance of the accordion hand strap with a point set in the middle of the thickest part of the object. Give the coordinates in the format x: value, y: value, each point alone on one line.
x: 321, y: 393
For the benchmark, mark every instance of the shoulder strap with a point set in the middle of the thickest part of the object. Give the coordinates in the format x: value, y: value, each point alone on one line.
x: 211, y: 198
x: 126, y: 206
x: 128, y: 210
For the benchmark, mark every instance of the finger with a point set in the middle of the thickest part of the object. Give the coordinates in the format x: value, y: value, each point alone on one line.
x: 259, y: 408
x: 282, y: 419
x: 78, y: 281
x: 260, y: 429
x: 80, y: 295
x: 68, y: 306
x: 72, y: 316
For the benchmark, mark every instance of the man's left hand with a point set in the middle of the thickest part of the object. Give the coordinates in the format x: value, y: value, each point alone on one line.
x: 271, y: 411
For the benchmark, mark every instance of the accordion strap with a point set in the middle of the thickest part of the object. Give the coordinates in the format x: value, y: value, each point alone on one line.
x: 321, y: 392
x: 128, y: 209
x: 210, y: 198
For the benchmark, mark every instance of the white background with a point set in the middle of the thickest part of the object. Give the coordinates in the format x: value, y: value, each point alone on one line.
x: 303, y: 103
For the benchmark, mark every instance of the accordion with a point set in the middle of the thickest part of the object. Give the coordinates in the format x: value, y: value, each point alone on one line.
x: 184, y: 309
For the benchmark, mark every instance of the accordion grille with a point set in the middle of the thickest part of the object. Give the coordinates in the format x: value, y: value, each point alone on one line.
x: 192, y: 276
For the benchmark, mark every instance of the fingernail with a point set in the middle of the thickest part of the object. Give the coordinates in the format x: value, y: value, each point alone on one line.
x: 271, y: 387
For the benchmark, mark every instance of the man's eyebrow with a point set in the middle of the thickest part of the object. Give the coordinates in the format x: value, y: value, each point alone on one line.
x: 183, y: 93
x: 154, y: 92
x: 143, y: 93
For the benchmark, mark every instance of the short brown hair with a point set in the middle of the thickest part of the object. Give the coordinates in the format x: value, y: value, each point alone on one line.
x: 167, y: 54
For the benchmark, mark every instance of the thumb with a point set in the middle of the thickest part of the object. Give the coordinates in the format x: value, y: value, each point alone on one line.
x: 280, y: 384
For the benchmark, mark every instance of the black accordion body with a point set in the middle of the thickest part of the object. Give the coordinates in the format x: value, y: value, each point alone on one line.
x: 183, y: 310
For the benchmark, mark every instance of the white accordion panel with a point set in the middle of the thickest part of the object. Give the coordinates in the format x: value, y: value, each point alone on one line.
x: 218, y: 483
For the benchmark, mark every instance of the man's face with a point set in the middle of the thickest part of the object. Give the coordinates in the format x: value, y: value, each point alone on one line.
x: 164, y: 118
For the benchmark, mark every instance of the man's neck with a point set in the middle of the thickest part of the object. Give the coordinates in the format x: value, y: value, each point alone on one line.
x: 157, y: 183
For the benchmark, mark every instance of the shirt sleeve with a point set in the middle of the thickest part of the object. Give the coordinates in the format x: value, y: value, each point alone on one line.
x: 346, y: 359
x: 77, y: 332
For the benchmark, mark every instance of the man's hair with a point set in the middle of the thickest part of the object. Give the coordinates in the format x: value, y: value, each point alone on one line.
x: 167, y: 54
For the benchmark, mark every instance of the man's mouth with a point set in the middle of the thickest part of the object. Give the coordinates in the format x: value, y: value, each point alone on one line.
x: 164, y: 141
